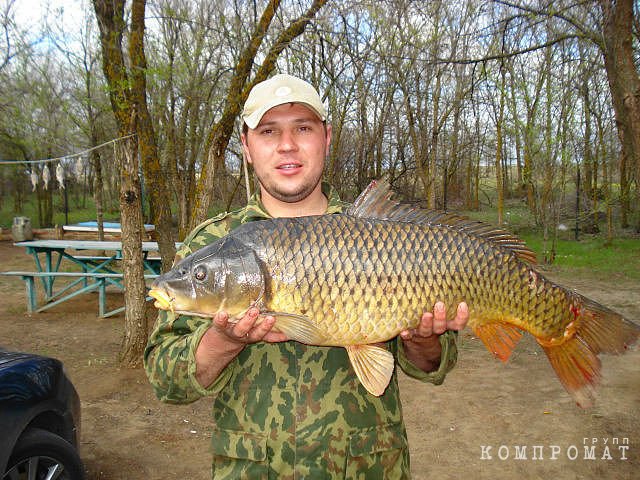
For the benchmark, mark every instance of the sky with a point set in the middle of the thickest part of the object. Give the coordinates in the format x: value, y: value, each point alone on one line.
x: 31, y: 15
x: 64, y: 17
x: 31, y: 12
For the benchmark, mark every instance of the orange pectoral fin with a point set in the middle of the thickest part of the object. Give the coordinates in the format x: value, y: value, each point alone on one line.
x: 500, y: 338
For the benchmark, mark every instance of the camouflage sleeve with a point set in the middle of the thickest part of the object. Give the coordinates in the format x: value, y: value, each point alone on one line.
x: 448, y: 360
x: 169, y: 357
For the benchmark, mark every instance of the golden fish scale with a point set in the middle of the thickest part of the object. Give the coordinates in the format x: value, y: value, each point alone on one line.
x: 363, y: 281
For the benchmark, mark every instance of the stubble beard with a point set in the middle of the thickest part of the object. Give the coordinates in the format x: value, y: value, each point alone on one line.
x: 302, y: 192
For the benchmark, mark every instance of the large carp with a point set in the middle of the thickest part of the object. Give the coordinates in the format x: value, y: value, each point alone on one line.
x: 359, y: 278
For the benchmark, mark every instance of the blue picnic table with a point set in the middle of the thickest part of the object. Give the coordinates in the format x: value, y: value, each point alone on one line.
x: 75, y: 260
x: 108, y: 227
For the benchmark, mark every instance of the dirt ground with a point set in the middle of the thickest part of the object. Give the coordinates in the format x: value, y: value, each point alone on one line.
x: 488, y: 420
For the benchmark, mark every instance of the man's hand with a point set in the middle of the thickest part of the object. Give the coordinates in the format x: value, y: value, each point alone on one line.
x: 224, y: 340
x: 249, y: 329
x: 422, y: 344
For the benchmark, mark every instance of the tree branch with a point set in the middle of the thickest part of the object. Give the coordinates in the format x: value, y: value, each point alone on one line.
x: 501, y: 56
x: 584, y: 32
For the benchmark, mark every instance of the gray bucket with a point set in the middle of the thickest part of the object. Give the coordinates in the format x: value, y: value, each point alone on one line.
x: 21, y: 229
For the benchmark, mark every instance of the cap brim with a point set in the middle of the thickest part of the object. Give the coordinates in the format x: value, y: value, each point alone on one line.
x: 253, y: 120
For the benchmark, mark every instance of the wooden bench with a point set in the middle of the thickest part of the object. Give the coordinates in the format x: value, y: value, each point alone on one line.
x: 92, y: 258
x: 99, y: 282
x: 92, y: 262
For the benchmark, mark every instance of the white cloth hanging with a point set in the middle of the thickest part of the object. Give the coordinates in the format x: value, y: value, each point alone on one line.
x: 60, y: 175
x: 33, y: 176
x: 46, y: 176
x: 79, y: 167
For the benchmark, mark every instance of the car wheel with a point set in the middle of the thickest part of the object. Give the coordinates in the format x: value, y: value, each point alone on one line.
x: 42, y: 455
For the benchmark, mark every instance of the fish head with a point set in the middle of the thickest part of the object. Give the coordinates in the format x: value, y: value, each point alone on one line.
x: 224, y: 276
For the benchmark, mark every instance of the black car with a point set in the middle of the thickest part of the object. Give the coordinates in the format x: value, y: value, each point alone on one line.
x: 39, y: 419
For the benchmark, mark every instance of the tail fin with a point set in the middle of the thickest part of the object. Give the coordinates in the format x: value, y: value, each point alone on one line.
x: 574, y: 358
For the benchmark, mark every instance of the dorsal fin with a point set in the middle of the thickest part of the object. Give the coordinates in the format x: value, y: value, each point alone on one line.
x: 376, y: 202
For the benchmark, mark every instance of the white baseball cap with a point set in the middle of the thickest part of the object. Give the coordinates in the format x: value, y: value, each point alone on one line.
x: 279, y: 90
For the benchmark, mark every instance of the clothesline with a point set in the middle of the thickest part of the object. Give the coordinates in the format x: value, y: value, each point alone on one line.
x: 65, y: 157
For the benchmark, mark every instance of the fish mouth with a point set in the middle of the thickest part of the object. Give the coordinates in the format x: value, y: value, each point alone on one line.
x: 163, y: 300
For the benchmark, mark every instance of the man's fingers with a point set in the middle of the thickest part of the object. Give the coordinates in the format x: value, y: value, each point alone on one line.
x: 260, y: 330
x: 439, y: 318
x: 424, y: 329
x: 275, y: 337
x: 245, y: 324
x: 221, y: 320
x: 461, y: 318
x: 436, y: 322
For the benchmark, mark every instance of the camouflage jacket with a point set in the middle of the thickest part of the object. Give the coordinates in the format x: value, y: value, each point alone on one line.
x: 286, y: 410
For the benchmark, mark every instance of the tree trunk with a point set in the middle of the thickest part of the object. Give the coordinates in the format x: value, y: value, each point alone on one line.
x: 135, y: 327
x: 547, y: 204
x: 499, y: 177
x: 153, y: 174
x: 432, y: 158
x: 513, y: 108
x: 98, y: 196
x: 624, y: 82
x: 110, y: 15
x: 606, y: 184
x: 590, y: 164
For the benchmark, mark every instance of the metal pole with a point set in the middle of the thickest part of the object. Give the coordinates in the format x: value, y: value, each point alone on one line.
x: 66, y: 207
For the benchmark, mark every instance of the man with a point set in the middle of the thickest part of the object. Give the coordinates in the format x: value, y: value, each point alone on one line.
x: 284, y: 409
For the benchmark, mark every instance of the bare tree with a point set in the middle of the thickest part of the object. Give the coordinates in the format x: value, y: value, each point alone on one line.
x: 619, y: 19
x: 413, y: 89
x: 90, y: 116
x: 613, y: 34
x: 189, y: 53
x: 127, y: 92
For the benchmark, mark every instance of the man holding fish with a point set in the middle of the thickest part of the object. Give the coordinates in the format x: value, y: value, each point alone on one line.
x: 286, y: 409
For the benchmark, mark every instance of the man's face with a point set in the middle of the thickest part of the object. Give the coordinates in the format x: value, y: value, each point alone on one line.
x: 287, y: 150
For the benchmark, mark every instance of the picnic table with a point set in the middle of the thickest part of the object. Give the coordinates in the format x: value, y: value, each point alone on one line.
x: 90, y: 229
x: 88, y: 271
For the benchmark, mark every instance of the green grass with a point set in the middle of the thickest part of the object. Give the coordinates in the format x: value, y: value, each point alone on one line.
x: 621, y: 259
x: 517, y: 217
x: 30, y: 210
x: 75, y: 214
x: 589, y: 255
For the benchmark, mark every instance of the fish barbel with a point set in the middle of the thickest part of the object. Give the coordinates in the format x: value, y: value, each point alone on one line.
x: 359, y: 278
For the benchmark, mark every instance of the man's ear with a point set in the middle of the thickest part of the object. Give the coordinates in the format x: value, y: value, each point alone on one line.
x: 328, y: 147
x: 245, y: 148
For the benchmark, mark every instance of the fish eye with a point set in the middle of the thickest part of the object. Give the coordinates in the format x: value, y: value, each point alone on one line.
x: 200, y: 273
